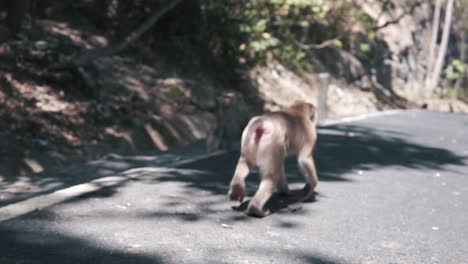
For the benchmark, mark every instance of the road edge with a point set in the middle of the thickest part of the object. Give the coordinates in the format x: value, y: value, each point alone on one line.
x: 41, y: 202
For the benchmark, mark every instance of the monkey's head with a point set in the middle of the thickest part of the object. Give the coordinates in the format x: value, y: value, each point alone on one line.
x: 226, y: 100
x: 305, y: 108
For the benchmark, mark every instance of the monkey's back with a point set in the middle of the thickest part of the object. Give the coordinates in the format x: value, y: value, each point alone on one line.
x: 295, y: 129
x: 282, y: 133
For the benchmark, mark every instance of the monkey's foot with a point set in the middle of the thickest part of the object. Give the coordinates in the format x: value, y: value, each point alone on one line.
x: 254, y: 211
x: 307, y: 191
x: 236, y: 192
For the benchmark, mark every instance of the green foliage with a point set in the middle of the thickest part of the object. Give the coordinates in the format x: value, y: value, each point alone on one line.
x: 272, y: 29
x: 454, y: 70
x: 444, y: 92
x: 176, y: 91
x: 236, y: 34
x: 365, y: 21
x: 338, y: 43
x: 364, y: 47
x: 266, y: 29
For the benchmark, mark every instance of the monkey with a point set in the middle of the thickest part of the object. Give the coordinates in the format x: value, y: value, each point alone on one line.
x: 266, y: 141
x: 217, y: 138
x: 231, y: 116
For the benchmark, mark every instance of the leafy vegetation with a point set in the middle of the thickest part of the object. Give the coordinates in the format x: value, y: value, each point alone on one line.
x: 230, y: 35
x: 454, y: 70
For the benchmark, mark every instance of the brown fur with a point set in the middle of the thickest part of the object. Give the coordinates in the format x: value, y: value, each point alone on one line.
x: 266, y: 141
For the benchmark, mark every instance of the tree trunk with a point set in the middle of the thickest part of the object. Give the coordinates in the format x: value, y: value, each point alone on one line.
x: 443, y: 48
x: 17, y: 10
x: 432, y: 46
x: 324, y: 79
x: 459, y: 82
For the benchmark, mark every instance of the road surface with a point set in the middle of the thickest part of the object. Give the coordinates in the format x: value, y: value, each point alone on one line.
x: 393, y: 189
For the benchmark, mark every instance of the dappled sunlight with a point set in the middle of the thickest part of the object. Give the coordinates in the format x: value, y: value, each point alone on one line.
x: 121, y: 134
x: 34, y: 165
x: 176, y: 134
x: 22, y: 187
x: 51, y: 119
x: 189, y: 205
x: 356, y: 148
x: 173, y: 194
x: 65, y: 30
x: 196, y: 125
x: 135, y: 85
x: 124, y: 76
x: 108, y: 110
x: 18, y: 187
x: 156, y: 137
x: 59, y: 196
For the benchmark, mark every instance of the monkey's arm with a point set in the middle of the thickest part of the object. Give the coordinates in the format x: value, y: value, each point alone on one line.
x: 307, y: 165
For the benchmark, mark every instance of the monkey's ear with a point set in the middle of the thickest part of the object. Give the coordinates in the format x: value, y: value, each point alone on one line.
x: 313, y: 115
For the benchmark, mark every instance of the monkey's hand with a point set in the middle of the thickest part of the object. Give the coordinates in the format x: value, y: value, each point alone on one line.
x: 237, y: 192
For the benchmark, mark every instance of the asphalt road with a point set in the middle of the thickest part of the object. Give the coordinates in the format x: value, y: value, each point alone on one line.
x: 393, y: 189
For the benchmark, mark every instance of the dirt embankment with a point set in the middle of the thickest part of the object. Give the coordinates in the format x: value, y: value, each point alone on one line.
x: 48, y: 121
x: 143, y: 102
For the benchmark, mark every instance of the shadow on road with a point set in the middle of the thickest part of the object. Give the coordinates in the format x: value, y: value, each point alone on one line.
x: 345, y: 148
x: 341, y: 150
x: 31, y: 244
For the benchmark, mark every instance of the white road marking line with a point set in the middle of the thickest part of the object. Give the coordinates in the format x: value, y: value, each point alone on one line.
x: 46, y: 200
x: 359, y: 117
x: 43, y: 201
x: 195, y: 159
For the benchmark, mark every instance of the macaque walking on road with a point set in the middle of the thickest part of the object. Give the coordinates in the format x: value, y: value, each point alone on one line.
x: 232, y: 115
x: 266, y: 141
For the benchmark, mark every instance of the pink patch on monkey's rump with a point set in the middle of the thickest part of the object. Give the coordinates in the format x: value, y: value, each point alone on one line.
x: 259, y: 133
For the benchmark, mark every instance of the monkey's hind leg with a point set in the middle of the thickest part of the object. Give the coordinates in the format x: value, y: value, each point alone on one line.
x: 237, y: 186
x: 264, y: 192
x: 307, y: 165
x: 283, y: 188
x: 270, y: 167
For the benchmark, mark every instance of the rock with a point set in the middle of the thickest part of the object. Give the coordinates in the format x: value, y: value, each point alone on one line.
x: 280, y: 86
x: 364, y: 83
x: 41, y: 45
x: 342, y: 63
x: 204, y: 98
x: 99, y: 41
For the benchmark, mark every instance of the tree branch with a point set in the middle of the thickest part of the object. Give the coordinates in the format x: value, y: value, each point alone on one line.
x: 322, y: 45
x: 397, y: 20
x: 89, y: 55
x: 77, y: 64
